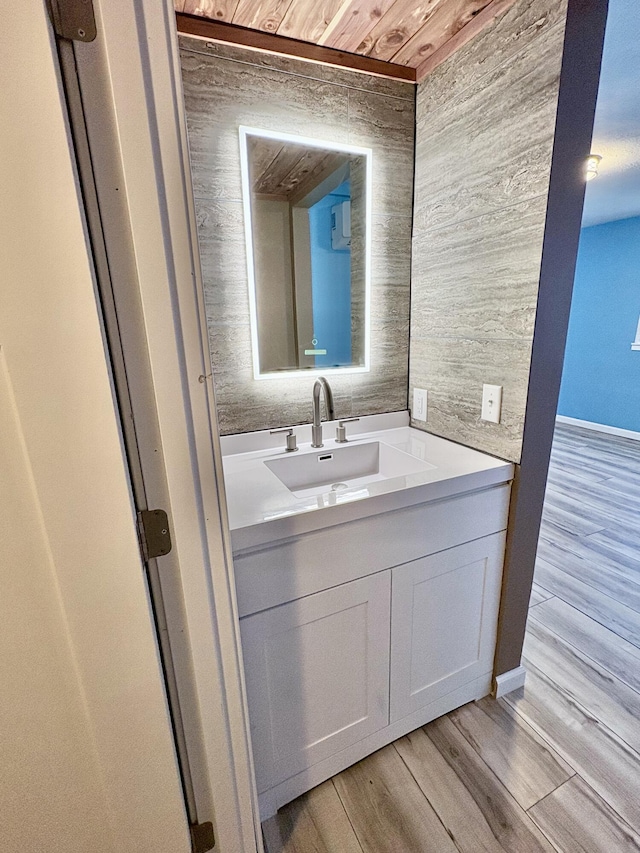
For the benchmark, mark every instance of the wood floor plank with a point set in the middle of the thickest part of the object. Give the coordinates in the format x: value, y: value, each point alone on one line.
x: 577, y: 470
x: 619, y: 583
x: 476, y: 809
x: 314, y: 823
x: 623, y: 483
x: 607, y: 554
x: 620, y: 479
x: 599, y: 473
x: 604, y: 761
x: 622, y: 541
x: 551, y: 532
x: 595, y: 501
x: 605, y: 448
x: 537, y: 597
x: 607, y: 463
x: 603, y: 609
x: 586, y: 502
x: 596, y: 690
x: 572, y: 436
x: 621, y: 494
x: 577, y: 820
x: 592, y: 439
x: 387, y: 809
x: 570, y: 476
x: 612, y: 652
x: 596, y: 468
x: 565, y: 518
x: 592, y: 511
x: 455, y: 806
x: 521, y: 760
x: 541, y: 592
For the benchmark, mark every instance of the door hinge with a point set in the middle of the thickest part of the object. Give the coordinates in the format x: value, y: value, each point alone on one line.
x: 202, y: 837
x: 73, y: 19
x: 153, y: 532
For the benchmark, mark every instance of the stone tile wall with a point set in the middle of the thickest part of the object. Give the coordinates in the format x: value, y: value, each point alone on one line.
x: 225, y: 87
x: 484, y: 136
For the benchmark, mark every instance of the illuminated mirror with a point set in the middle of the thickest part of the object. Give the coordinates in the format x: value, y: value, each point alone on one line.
x: 307, y: 223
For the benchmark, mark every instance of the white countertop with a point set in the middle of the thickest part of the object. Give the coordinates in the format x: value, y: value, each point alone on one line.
x: 262, y: 510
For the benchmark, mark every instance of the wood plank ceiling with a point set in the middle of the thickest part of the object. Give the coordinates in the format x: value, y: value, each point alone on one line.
x: 405, y: 34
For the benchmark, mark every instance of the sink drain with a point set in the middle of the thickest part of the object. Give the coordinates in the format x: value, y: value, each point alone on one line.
x: 339, y: 487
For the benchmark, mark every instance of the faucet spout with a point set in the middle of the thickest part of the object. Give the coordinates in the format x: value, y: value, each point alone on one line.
x: 320, y: 386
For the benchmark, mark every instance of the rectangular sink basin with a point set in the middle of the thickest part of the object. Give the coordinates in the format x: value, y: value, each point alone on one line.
x: 341, y: 468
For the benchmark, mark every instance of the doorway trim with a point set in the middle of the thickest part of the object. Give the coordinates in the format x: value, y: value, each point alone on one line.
x: 133, y: 108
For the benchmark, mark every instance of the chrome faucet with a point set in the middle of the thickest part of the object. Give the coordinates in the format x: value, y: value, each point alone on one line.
x: 320, y: 384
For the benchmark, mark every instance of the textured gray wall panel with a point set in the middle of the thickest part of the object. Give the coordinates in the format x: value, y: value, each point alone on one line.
x: 225, y: 87
x: 485, y: 126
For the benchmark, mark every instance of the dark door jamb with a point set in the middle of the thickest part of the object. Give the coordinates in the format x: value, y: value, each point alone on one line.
x: 580, y: 74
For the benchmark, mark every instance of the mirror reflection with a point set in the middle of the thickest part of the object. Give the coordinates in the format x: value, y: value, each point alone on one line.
x: 306, y: 212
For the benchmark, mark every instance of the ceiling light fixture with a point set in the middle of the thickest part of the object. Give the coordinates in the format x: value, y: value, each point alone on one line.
x: 593, y: 161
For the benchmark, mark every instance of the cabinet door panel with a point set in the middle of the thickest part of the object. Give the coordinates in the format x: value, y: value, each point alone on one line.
x: 317, y: 673
x: 444, y: 617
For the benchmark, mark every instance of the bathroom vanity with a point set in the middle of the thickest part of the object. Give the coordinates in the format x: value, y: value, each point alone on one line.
x: 368, y: 578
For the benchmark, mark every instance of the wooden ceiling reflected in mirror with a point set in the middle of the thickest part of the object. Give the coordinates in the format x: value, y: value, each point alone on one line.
x: 285, y: 172
x: 399, y: 38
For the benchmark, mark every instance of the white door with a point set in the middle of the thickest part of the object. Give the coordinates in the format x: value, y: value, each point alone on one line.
x: 85, y: 743
x: 444, y: 614
x: 132, y: 105
x: 317, y: 672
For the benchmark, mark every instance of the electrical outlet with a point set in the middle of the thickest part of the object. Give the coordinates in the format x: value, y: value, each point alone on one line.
x: 491, y: 403
x: 419, y: 410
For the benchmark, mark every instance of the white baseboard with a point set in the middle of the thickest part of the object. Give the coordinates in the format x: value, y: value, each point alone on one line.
x: 611, y: 430
x: 509, y: 681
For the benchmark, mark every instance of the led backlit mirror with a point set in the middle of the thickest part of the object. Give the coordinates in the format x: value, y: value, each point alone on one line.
x: 307, y: 224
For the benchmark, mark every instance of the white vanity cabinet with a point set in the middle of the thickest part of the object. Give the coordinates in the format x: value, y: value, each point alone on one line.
x: 317, y: 674
x: 357, y: 634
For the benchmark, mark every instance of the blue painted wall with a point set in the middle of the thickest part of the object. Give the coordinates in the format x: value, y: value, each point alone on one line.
x: 331, y: 284
x: 601, y: 376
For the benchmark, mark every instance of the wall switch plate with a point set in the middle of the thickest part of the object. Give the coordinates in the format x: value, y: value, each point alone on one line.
x: 419, y: 410
x: 491, y: 403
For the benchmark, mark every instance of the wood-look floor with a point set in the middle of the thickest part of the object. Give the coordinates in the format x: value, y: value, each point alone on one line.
x: 554, y: 766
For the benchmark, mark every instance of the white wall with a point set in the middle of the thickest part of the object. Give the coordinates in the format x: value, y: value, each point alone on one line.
x: 86, y: 747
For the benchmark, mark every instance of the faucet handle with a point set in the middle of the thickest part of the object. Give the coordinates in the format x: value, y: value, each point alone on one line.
x: 291, y: 437
x: 341, y: 430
